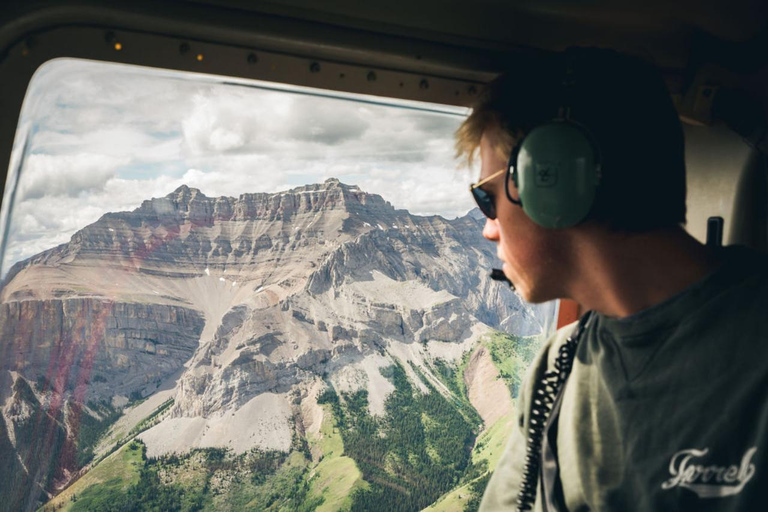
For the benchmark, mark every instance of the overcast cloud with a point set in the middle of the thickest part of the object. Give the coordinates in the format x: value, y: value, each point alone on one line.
x: 105, y: 137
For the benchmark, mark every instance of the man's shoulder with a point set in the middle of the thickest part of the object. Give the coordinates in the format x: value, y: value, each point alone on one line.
x: 543, y: 361
x: 551, y: 346
x: 545, y: 358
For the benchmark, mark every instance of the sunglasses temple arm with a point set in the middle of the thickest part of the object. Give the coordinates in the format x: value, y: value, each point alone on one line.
x: 498, y: 275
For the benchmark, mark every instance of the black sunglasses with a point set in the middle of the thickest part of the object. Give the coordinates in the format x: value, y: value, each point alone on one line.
x: 483, y: 199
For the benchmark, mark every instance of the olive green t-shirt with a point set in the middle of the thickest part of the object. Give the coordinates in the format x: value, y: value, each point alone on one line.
x: 664, y: 410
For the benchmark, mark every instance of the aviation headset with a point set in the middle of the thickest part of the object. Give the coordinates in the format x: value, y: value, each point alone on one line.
x: 556, y: 167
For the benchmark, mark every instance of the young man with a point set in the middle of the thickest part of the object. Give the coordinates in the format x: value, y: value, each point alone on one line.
x: 664, y: 406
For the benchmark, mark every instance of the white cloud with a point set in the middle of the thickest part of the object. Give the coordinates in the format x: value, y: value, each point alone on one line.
x: 223, y: 139
x: 68, y: 175
x: 126, y: 142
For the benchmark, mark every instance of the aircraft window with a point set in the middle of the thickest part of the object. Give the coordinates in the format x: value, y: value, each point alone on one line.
x: 231, y: 295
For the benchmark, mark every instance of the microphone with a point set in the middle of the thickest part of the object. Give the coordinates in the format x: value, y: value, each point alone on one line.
x: 498, y: 275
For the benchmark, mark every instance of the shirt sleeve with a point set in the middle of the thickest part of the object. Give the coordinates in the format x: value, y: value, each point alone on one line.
x: 504, y: 486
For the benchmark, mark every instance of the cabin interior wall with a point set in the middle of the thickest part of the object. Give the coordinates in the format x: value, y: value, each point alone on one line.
x: 716, y: 158
x: 749, y: 225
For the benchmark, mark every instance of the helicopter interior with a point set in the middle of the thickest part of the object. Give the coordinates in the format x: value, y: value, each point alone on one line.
x: 439, y: 52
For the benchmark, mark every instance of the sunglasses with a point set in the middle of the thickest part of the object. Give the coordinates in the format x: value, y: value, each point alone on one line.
x: 483, y: 199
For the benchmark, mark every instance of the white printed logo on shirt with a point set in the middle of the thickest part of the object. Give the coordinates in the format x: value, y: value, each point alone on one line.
x: 709, y: 481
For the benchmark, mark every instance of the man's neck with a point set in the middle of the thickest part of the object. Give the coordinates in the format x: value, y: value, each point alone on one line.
x: 620, y: 274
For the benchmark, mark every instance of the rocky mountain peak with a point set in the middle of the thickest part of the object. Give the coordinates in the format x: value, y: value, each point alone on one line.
x: 182, y: 197
x: 184, y: 193
x: 476, y: 214
x: 190, y: 203
x: 183, y: 190
x: 331, y: 186
x: 335, y: 184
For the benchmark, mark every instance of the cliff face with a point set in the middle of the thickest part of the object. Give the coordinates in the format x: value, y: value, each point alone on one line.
x: 37, y: 452
x: 97, y: 348
x: 247, y: 301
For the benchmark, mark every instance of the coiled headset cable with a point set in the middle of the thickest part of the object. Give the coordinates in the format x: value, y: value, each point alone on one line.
x: 544, y: 396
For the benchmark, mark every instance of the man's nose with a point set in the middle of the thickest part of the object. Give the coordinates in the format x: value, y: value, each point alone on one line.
x: 491, y: 230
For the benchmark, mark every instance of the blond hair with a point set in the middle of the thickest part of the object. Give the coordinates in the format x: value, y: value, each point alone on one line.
x: 470, y: 133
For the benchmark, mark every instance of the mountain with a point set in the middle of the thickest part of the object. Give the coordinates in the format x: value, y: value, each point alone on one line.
x: 246, y: 324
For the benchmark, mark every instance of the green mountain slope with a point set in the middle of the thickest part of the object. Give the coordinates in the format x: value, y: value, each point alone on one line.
x: 429, y: 450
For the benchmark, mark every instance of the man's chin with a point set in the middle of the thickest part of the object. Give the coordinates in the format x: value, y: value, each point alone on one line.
x: 531, y: 295
x: 533, y: 299
x: 528, y: 293
x: 537, y: 296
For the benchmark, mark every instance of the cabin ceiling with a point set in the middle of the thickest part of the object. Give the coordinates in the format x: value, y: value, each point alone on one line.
x: 661, y: 30
x: 506, y: 22
x: 453, y: 34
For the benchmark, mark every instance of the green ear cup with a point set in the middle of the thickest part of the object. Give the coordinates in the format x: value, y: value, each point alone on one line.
x: 556, y: 174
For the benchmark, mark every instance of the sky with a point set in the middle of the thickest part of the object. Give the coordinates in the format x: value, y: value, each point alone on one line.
x: 96, y: 138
